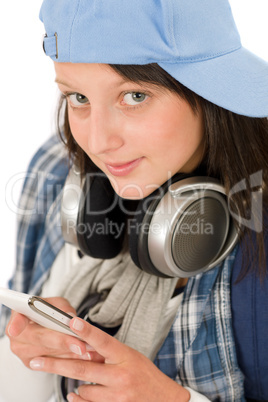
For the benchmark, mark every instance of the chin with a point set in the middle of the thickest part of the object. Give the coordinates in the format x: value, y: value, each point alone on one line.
x: 130, y: 195
x: 132, y: 192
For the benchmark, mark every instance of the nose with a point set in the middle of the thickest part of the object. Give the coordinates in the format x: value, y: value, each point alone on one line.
x: 104, y: 134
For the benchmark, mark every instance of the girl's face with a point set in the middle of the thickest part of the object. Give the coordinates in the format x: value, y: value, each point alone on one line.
x: 139, y: 135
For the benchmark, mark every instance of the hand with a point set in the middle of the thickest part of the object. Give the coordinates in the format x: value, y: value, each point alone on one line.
x: 28, y: 339
x: 124, y: 374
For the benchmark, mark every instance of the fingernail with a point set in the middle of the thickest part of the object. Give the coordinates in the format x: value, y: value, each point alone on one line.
x: 9, y: 330
x: 78, y: 325
x: 37, y: 364
x: 70, y: 398
x: 86, y: 356
x: 75, y: 349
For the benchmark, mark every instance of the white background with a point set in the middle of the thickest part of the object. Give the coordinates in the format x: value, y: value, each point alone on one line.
x: 28, y: 97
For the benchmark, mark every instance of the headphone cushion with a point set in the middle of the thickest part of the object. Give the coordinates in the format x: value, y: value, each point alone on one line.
x: 100, y: 219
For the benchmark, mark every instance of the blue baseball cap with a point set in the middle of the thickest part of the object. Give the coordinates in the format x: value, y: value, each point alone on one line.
x: 195, y: 41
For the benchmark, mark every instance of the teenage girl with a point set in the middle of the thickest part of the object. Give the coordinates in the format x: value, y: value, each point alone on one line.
x: 150, y: 90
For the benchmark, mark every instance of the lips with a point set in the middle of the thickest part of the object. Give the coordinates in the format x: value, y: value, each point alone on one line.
x: 124, y: 168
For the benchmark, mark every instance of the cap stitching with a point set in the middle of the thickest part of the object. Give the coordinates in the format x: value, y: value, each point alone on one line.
x: 171, y: 25
x: 181, y: 60
x: 212, y: 56
x: 71, y: 30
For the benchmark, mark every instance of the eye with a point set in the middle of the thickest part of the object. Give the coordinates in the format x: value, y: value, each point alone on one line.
x: 132, y: 98
x: 77, y: 99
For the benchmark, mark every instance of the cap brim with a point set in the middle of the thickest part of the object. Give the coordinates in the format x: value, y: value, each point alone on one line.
x: 237, y: 81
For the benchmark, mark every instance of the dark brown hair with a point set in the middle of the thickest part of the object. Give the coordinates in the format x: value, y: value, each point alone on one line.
x: 235, y: 148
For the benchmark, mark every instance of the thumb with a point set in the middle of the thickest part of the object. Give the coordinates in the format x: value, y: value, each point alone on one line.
x: 16, y: 325
x: 110, y: 348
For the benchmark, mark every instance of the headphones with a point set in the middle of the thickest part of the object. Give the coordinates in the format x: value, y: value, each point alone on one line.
x: 180, y: 230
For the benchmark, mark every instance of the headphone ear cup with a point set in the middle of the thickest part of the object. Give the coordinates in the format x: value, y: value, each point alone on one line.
x: 140, y: 227
x: 187, y: 231
x: 101, y: 221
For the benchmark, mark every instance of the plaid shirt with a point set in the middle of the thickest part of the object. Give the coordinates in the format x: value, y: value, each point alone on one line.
x: 39, y: 237
x: 199, y: 351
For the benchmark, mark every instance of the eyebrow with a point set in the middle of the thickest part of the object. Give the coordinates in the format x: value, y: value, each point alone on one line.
x: 58, y: 81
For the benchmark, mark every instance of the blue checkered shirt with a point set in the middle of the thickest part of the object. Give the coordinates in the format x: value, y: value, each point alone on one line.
x: 199, y: 351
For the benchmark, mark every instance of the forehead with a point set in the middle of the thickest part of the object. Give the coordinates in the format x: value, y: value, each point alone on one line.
x: 72, y: 73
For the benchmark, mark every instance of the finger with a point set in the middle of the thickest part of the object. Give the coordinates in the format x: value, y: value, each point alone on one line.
x: 22, y: 351
x: 99, y: 373
x: 96, y: 393
x: 17, y: 324
x: 58, y: 344
x: 43, y: 341
x: 76, y: 398
x: 110, y: 348
x: 26, y: 352
x: 52, y: 341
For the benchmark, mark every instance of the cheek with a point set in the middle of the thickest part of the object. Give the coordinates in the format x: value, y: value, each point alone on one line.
x: 178, y: 139
x: 168, y: 129
x: 183, y: 129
